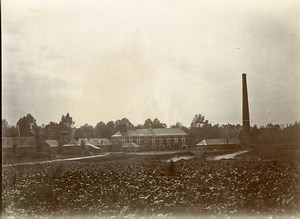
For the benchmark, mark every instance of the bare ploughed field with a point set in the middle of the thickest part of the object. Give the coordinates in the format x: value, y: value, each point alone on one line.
x: 262, y: 182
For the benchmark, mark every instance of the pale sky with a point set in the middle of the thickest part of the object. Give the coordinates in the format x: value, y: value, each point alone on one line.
x: 103, y: 60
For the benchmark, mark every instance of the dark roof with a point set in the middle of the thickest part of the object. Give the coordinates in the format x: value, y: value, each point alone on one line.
x: 151, y: 132
x: 20, y: 142
x: 52, y: 143
x: 220, y: 141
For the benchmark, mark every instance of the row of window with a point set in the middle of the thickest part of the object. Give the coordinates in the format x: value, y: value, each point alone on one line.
x: 138, y: 141
x: 168, y: 146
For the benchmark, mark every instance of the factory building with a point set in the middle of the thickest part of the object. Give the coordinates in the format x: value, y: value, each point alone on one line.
x: 153, y: 139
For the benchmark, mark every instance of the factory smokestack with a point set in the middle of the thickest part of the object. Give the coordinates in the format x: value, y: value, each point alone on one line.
x: 245, y: 133
x: 246, y: 118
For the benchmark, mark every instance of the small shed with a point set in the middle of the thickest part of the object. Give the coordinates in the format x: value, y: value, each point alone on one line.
x: 218, y: 143
x: 18, y: 146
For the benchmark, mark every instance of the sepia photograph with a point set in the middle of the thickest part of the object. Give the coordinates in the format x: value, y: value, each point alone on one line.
x: 150, y: 109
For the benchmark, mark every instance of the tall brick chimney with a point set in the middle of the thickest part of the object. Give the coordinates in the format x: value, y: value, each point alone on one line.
x: 245, y: 136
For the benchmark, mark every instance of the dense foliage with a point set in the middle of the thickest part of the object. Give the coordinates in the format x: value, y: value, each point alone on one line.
x: 250, y: 186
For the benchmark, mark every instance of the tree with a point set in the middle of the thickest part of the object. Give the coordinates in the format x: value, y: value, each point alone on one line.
x: 101, y: 130
x: 51, y: 131
x: 85, y: 131
x: 38, y: 136
x: 139, y: 126
x: 177, y: 125
x: 200, y: 129
x: 276, y: 134
x: 291, y: 133
x: 199, y: 121
x: 123, y: 125
x: 110, y: 129
x: 230, y: 131
x: 66, y: 122
x: 26, y: 125
x: 154, y: 124
x: 271, y: 134
x: 158, y: 124
x: 148, y: 123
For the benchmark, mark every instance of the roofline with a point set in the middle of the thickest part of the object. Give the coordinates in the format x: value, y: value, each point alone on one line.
x: 183, y: 133
x: 151, y: 134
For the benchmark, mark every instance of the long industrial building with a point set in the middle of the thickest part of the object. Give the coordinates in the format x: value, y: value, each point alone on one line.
x: 155, y: 139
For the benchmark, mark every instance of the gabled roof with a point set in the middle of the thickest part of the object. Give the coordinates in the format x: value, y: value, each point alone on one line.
x: 151, y: 132
x: 52, y: 143
x: 219, y: 141
x: 78, y: 145
x: 20, y: 142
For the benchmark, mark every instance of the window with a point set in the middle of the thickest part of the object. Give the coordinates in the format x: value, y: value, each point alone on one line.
x: 130, y: 140
x: 123, y: 141
x: 153, y: 141
x: 138, y: 141
x: 168, y: 140
x: 160, y: 141
x: 183, y: 140
x: 176, y: 140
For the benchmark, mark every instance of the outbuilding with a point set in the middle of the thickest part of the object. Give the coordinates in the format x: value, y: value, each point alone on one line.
x: 218, y: 143
x: 18, y: 146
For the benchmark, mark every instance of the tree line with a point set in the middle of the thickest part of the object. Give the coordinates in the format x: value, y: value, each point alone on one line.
x: 200, y: 128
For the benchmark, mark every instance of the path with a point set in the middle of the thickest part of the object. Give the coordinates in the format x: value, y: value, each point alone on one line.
x: 226, y: 156
x: 56, y: 160
x: 92, y: 156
